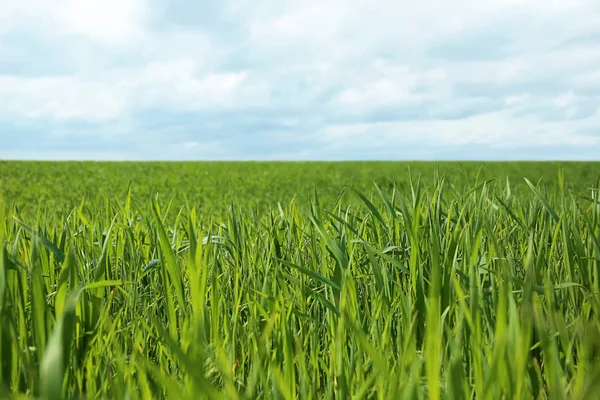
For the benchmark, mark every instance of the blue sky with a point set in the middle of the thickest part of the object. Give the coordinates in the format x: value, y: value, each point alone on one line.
x: 300, y: 79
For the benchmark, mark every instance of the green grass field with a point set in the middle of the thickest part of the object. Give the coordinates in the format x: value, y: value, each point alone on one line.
x: 211, y: 186
x: 300, y: 280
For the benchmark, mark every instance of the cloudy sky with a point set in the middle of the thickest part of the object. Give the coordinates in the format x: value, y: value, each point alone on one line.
x: 300, y: 79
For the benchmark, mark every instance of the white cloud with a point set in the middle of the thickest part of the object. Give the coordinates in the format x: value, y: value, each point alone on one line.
x: 178, y: 85
x: 494, y: 130
x: 565, y: 100
x: 207, y: 147
x: 315, y: 22
x: 319, y: 69
x: 516, y: 100
x: 191, y: 145
x: 396, y: 85
x: 109, y: 22
x: 79, y: 155
x: 61, y: 98
x: 181, y: 85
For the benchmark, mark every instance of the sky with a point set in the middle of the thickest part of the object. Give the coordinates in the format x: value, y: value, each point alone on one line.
x: 300, y: 79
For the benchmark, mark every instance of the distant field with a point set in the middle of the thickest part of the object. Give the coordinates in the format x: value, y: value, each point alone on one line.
x: 211, y: 186
x: 300, y: 280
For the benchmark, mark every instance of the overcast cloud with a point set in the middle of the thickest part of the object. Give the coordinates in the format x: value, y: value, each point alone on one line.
x: 327, y: 79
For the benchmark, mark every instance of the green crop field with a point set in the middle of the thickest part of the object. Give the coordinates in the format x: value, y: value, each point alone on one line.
x: 211, y: 186
x: 373, y: 280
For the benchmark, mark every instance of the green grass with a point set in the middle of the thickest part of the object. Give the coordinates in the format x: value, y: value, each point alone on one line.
x: 210, y: 186
x: 252, y: 284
